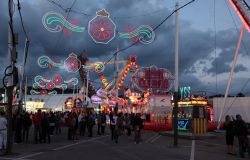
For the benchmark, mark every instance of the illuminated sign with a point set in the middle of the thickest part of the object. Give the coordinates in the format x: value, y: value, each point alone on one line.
x: 183, y: 124
x: 185, y: 93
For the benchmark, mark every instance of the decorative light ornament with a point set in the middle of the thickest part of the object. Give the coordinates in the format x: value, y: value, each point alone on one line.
x: 144, y: 33
x: 98, y: 67
x: 57, y: 79
x: 74, y: 81
x: 65, y: 30
x: 42, y: 92
x: 53, y: 22
x: 101, y: 28
x: 72, y: 63
x: 46, y: 62
x: 50, y: 86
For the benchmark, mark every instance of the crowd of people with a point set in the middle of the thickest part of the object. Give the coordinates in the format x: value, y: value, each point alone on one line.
x: 236, y: 127
x: 47, y: 124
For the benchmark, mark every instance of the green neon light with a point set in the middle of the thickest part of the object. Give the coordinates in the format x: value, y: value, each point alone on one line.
x: 66, y: 24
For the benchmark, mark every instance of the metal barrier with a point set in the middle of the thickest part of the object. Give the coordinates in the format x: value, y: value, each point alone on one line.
x: 199, y: 126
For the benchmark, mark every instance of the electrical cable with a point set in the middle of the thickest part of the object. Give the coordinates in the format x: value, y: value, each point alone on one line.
x: 155, y: 28
x: 215, y: 51
x: 21, y: 18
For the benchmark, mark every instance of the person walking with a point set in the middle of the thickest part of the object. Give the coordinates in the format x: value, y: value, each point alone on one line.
x: 75, y: 126
x: 52, y: 123
x: 138, y: 125
x: 103, y: 121
x: 58, y: 123
x: 37, y: 126
x: 119, y: 127
x: 69, y: 122
x: 99, y: 123
x: 90, y: 123
x: 45, y: 128
x: 3, y: 131
x: 27, y: 122
x: 127, y: 122
x: 229, y: 127
x: 18, y: 120
x: 83, y: 123
x: 113, y: 119
x: 242, y: 132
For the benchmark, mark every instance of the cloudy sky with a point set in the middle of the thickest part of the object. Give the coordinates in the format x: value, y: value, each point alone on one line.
x: 204, y: 26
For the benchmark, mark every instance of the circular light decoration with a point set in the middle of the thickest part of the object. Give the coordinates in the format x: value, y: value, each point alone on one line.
x: 144, y: 33
x: 72, y: 63
x: 53, y: 22
x: 50, y: 86
x: 99, y: 67
x: 57, y: 79
x: 46, y: 62
x: 101, y: 28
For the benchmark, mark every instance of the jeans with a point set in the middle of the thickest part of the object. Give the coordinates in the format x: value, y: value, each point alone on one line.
x: 3, y: 138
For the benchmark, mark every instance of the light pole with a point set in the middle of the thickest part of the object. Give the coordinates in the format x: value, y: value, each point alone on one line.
x: 175, y: 109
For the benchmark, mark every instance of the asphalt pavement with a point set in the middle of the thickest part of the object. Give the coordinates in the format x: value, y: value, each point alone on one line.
x: 152, y: 147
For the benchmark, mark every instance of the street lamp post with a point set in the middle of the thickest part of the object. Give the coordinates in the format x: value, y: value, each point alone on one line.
x: 175, y: 109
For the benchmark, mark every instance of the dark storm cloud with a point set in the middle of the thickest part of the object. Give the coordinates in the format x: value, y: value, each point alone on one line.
x: 195, y: 46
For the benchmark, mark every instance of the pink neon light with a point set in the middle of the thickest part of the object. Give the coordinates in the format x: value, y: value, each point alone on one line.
x: 240, y: 14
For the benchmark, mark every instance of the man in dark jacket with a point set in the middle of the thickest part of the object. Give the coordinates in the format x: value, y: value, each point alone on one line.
x: 27, y: 122
x: 138, y: 126
x: 242, y: 132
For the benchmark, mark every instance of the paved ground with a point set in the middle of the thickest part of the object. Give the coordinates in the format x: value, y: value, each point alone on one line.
x: 152, y: 147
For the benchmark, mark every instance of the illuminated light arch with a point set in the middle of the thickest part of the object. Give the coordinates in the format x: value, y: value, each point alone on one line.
x: 243, y: 10
x: 101, y: 28
x: 72, y: 63
x: 144, y: 33
x: 46, y: 62
x: 132, y: 62
x: 53, y: 22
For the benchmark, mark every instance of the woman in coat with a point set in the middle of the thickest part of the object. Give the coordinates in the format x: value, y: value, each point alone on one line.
x: 229, y: 127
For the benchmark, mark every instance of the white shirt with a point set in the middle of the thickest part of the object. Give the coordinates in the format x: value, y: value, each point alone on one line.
x: 115, y: 120
x: 3, y: 123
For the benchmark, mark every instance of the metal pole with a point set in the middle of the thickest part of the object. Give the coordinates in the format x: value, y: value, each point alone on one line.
x: 25, y: 91
x: 231, y: 73
x: 87, y: 89
x: 175, y: 109
x: 116, y: 80
x: 20, y: 105
x: 12, y: 55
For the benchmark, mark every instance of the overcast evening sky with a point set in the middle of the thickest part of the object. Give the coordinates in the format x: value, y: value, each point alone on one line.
x: 200, y: 66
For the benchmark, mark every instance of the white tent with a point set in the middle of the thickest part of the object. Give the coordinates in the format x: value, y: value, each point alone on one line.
x: 233, y: 106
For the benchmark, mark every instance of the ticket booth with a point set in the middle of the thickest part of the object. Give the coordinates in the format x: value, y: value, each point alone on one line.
x: 192, y: 116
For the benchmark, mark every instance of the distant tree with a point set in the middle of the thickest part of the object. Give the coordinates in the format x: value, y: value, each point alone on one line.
x: 240, y: 95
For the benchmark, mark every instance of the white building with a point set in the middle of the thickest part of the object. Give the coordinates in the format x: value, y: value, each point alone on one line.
x: 233, y: 106
x: 53, y: 102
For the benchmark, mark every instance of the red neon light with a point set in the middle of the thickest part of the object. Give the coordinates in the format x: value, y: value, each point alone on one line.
x: 241, y: 14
